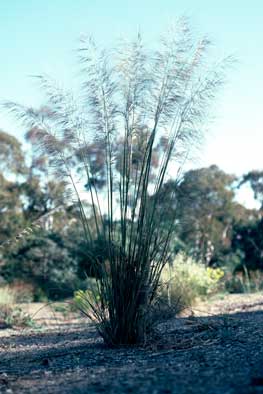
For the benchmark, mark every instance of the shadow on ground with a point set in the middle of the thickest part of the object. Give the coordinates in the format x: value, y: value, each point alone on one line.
x: 218, y: 354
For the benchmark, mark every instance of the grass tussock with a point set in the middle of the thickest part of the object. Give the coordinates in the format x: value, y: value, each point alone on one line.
x: 11, y: 315
x: 131, y: 125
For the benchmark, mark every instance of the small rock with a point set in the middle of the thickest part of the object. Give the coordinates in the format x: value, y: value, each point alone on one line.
x: 4, y: 379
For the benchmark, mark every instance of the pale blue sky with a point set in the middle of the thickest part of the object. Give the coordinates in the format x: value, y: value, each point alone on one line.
x: 40, y: 37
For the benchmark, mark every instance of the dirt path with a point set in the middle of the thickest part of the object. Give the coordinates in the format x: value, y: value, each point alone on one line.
x: 221, y: 353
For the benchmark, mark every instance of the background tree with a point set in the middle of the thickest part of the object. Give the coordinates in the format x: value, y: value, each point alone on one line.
x: 12, y: 171
x: 43, y: 256
x: 255, y: 180
x: 45, y: 262
x: 206, y: 212
x: 12, y: 160
x: 248, y: 239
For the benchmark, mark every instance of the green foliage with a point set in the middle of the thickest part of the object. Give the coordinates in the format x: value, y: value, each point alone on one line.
x: 186, y: 279
x: 15, y: 317
x: 206, y: 212
x: 85, y: 251
x: 248, y: 240
x: 44, y: 261
x: 10, y: 209
x: 12, y: 161
x: 255, y: 180
x: 84, y: 299
x: 234, y: 232
x: 245, y: 282
x: 10, y: 314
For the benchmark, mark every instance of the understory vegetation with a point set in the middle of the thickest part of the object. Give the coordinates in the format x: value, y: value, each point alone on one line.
x: 11, y: 314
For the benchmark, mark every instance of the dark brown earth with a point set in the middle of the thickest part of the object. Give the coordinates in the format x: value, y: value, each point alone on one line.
x: 216, y: 349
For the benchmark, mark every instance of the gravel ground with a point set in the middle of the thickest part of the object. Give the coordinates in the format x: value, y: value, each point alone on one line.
x: 219, y: 351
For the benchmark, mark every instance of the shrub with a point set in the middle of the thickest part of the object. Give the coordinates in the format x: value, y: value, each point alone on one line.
x: 137, y: 112
x: 185, y: 280
x: 44, y: 263
x: 244, y: 282
x: 83, y: 299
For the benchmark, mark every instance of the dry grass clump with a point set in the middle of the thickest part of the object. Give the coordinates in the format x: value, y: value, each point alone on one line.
x: 138, y: 113
x: 10, y: 314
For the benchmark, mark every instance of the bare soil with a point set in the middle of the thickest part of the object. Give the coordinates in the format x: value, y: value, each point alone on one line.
x: 216, y: 348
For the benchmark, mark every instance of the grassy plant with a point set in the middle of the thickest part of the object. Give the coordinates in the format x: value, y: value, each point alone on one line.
x: 138, y: 114
x: 15, y: 317
x: 10, y: 314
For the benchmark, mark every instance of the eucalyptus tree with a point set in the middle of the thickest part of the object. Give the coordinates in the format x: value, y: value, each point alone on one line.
x: 12, y: 170
x: 12, y: 159
x: 132, y: 100
x: 206, y: 209
x: 255, y: 180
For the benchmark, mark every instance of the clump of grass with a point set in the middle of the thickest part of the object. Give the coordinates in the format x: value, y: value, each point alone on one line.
x: 138, y: 112
x: 15, y: 317
x: 10, y: 314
